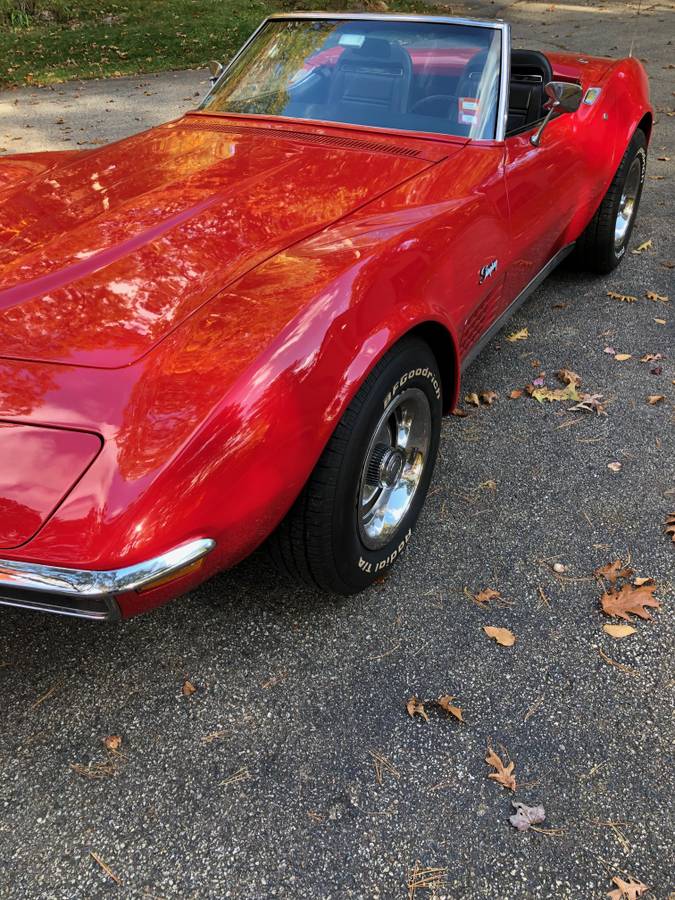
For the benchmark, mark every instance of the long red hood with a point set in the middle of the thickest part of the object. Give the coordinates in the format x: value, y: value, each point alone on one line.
x: 107, y: 251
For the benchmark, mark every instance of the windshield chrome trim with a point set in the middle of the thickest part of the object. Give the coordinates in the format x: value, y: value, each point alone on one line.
x: 495, y: 25
x: 97, y: 583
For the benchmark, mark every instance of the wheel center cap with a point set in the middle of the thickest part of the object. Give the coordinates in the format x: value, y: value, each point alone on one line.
x: 391, y: 467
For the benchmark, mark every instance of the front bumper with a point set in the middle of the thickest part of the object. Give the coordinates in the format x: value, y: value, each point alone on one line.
x: 91, y: 594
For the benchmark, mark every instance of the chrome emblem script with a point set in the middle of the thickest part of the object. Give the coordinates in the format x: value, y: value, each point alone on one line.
x: 487, y: 270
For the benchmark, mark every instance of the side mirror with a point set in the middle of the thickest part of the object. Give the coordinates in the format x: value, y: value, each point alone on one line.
x: 216, y: 70
x: 564, y: 97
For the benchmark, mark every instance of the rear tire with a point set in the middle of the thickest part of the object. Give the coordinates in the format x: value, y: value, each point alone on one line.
x: 356, y: 513
x: 603, y: 244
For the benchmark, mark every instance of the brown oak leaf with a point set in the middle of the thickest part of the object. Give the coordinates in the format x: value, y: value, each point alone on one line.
x: 670, y: 525
x: 113, y: 742
x: 613, y: 570
x: 590, y: 403
x: 503, y: 774
x: 657, y: 298
x: 459, y: 412
x: 483, y: 597
x: 623, y: 298
x: 415, y: 707
x: 629, y: 599
x: 653, y: 399
x: 188, y: 689
x: 567, y: 376
x: 472, y: 398
x: 627, y: 890
x: 445, y: 703
x: 515, y: 394
x: 488, y: 397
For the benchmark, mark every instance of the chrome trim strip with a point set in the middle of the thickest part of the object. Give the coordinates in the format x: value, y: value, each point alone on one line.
x: 495, y: 24
x: 109, y: 611
x: 504, y: 83
x: 529, y: 289
x: 92, y: 583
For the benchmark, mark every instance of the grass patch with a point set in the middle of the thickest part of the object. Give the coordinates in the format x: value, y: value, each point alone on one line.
x: 46, y: 41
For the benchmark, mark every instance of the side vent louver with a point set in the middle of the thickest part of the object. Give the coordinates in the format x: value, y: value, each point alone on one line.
x: 305, y: 137
x: 478, y: 322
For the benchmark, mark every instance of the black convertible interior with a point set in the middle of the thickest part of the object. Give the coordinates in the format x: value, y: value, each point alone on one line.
x: 530, y: 72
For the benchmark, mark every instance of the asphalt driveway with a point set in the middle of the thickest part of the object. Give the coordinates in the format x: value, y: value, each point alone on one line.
x: 261, y: 782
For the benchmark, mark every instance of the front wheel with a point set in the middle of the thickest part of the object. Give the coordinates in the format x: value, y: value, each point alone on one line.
x: 603, y: 244
x: 356, y: 514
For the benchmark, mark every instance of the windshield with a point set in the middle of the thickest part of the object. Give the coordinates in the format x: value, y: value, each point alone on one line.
x: 408, y: 75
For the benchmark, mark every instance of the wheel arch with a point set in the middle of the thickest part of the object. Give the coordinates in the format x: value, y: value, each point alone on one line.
x: 645, y: 125
x: 446, y: 351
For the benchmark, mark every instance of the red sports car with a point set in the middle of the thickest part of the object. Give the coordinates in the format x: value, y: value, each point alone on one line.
x: 245, y: 325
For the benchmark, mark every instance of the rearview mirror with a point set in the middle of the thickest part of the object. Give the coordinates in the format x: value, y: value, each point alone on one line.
x: 564, y: 97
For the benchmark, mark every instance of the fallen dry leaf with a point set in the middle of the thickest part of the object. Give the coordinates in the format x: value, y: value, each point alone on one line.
x: 560, y: 394
x: 483, y: 597
x: 473, y: 399
x: 653, y: 399
x: 521, y: 335
x: 669, y: 526
x: 503, y: 774
x: 619, y: 631
x: 614, y: 466
x: 415, y: 707
x: 188, y: 689
x: 657, y: 298
x: 645, y: 245
x: 515, y: 394
x: 624, y: 298
x: 660, y: 321
x: 567, y: 376
x: 459, y: 412
x: 627, y: 890
x: 113, y: 742
x: 640, y: 581
x: 629, y: 599
x: 590, y: 403
x: 622, y: 357
x: 445, y: 703
x: 613, y: 570
x: 488, y: 397
x: 526, y: 815
x: 503, y: 636
x: 651, y: 357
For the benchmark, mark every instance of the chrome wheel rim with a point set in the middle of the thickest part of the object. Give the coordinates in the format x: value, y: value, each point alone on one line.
x: 628, y: 203
x: 393, y: 467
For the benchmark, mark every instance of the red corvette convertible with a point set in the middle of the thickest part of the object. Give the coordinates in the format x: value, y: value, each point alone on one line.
x: 245, y: 325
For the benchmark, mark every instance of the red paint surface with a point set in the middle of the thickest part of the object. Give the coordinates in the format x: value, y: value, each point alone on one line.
x: 208, y: 297
x: 38, y: 466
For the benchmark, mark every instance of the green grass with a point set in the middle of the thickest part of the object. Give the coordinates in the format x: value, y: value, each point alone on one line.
x: 45, y: 41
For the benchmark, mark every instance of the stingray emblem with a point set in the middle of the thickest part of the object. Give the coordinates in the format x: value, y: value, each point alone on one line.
x: 487, y: 270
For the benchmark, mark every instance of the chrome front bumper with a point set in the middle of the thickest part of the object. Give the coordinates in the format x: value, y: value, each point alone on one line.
x: 90, y: 594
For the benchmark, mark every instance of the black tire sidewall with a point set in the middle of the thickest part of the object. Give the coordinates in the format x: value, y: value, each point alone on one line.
x: 636, y: 148
x: 355, y: 565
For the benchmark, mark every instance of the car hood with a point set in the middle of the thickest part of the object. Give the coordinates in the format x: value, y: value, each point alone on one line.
x: 106, y: 252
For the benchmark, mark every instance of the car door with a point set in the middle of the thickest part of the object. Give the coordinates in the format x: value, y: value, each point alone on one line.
x: 540, y: 183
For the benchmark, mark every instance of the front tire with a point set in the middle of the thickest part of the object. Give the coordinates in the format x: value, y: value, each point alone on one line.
x: 356, y: 514
x: 603, y: 244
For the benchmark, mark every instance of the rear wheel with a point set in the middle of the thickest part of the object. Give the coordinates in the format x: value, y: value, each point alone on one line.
x: 355, y: 516
x: 603, y: 244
